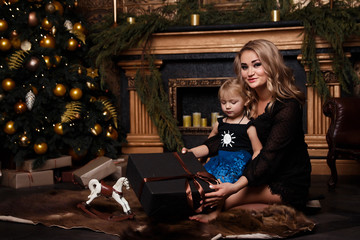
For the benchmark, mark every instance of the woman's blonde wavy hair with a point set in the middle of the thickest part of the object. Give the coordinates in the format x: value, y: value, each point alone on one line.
x: 281, y: 81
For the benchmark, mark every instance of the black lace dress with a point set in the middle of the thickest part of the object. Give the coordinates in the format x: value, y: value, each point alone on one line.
x: 283, y: 164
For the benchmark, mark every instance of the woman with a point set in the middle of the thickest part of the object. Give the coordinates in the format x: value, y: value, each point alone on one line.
x: 280, y: 173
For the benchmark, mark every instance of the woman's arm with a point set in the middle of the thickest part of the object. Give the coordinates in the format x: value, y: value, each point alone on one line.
x: 255, y: 142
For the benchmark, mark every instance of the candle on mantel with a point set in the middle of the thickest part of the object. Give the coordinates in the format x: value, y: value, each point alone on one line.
x: 187, y: 121
x: 196, y: 119
x: 115, y: 5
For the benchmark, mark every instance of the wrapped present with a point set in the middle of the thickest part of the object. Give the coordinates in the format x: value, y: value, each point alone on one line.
x: 169, y: 185
x: 51, y: 163
x: 20, y: 179
x: 120, y: 164
x: 67, y: 175
x: 98, y: 168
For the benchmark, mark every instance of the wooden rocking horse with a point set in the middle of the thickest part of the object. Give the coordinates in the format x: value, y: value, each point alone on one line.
x: 101, y: 189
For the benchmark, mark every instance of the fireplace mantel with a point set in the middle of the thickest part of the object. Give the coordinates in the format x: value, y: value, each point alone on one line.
x: 217, y: 40
x: 230, y: 38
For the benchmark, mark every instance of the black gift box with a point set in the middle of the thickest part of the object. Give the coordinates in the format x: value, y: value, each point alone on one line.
x: 159, y: 181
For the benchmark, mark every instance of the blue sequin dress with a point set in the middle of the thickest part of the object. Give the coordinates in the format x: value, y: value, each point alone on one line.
x: 234, y: 152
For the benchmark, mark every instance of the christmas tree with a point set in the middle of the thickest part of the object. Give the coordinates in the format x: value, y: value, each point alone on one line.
x: 52, y: 101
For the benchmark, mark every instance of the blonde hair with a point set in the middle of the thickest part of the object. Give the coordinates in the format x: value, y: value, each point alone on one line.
x: 233, y: 85
x: 281, y: 81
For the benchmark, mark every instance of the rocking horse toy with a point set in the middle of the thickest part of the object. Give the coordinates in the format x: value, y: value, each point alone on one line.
x: 101, y: 189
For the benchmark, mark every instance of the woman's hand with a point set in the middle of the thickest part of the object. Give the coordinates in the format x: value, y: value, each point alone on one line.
x: 222, y: 191
x: 185, y: 150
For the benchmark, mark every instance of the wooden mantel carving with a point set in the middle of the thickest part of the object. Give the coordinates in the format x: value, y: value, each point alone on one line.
x: 204, y: 40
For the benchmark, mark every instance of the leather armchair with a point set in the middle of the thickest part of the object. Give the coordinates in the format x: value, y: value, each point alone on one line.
x: 343, y: 135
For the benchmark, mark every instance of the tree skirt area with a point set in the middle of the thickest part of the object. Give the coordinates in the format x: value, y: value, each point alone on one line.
x: 58, y: 207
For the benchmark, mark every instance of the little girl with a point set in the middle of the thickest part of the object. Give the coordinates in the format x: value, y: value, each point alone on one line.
x: 239, y: 141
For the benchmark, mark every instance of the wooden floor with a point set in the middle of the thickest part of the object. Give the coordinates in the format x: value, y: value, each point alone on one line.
x: 339, y: 217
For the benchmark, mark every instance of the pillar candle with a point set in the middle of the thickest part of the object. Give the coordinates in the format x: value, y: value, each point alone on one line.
x: 203, y: 122
x: 275, y: 15
x: 214, y: 116
x: 187, y: 121
x: 195, y: 19
x: 196, y: 119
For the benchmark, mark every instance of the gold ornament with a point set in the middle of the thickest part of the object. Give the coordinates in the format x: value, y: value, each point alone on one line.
x: 30, y: 98
x: 3, y: 25
x: 100, y: 152
x: 77, y: 156
x: 58, y: 128
x: 20, y: 107
x: 72, y: 112
x: 79, y: 27
x: 9, y: 128
x: 72, y: 44
x: 96, y: 130
x: 46, y: 24
x: 24, y: 140
x: 32, y: 19
x: 5, y: 44
x: 59, y: 90
x: 40, y: 148
x: 106, y: 114
x: 14, y: 34
x: 16, y: 43
x: 16, y: 60
x: 47, y: 42
x: 76, y: 93
x: 91, y: 86
x: 8, y: 84
x: 58, y: 7
x: 112, y: 133
x: 91, y: 72
x: 108, y: 106
x: 57, y: 60
x: 47, y: 61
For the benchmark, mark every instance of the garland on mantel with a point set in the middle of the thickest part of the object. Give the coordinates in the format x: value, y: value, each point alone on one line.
x: 335, y: 25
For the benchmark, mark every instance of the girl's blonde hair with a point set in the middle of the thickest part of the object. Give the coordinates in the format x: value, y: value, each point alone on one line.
x: 234, y: 86
x: 281, y: 81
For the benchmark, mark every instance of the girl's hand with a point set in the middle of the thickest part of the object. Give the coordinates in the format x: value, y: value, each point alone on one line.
x: 222, y: 191
x: 185, y: 150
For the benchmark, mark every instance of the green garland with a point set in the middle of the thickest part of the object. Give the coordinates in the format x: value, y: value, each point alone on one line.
x: 335, y: 25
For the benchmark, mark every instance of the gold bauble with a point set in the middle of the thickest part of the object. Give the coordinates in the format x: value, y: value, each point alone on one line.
x: 5, y: 44
x: 58, y: 129
x: 59, y: 90
x: 100, y: 152
x: 47, y: 61
x: 46, y: 24
x: 112, y: 133
x: 9, y: 128
x: 48, y: 42
x: 75, y: 157
x: 50, y: 8
x: 106, y: 114
x: 14, y: 34
x: 20, y: 107
x: 8, y: 84
x: 96, y: 130
x: 58, y: 7
x: 76, y: 93
x: 16, y: 43
x: 57, y: 60
x: 72, y: 44
x: 79, y: 27
x: 40, y: 148
x: 24, y: 140
x: 3, y: 25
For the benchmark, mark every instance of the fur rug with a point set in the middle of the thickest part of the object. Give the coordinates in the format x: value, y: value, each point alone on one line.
x: 58, y: 207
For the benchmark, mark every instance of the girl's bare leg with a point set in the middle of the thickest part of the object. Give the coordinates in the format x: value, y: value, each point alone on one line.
x: 254, y: 198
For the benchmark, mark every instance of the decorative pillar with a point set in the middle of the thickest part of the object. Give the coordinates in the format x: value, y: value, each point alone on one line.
x: 317, y: 122
x: 143, y: 136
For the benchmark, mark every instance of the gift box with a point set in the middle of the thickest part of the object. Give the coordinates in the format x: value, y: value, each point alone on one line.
x: 21, y: 179
x: 168, y: 185
x: 120, y: 164
x: 51, y: 163
x: 98, y: 168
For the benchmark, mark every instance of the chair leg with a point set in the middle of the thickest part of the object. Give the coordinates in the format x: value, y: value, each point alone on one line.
x: 331, y: 162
